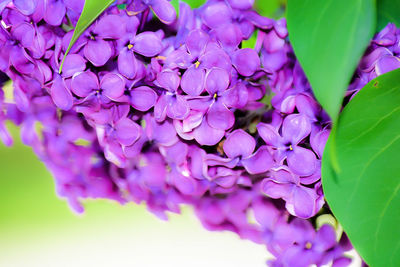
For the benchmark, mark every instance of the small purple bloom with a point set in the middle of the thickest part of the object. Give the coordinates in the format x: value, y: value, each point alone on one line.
x: 300, y: 201
x: 240, y: 144
x: 86, y: 85
x: 295, y: 128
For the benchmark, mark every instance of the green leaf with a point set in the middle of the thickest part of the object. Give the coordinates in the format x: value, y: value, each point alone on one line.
x: 388, y: 11
x: 365, y: 195
x: 329, y: 37
x: 91, y: 10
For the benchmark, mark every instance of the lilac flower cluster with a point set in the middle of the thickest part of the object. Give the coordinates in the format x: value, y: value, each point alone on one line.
x: 171, y: 111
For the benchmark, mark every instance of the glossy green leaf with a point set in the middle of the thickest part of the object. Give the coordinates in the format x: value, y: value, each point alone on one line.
x: 388, y: 11
x: 91, y: 10
x: 329, y: 37
x: 365, y: 195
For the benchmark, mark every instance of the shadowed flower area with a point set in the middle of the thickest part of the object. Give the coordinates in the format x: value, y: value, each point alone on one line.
x: 169, y: 111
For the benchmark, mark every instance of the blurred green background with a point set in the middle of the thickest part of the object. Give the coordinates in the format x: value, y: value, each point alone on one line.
x: 38, y: 229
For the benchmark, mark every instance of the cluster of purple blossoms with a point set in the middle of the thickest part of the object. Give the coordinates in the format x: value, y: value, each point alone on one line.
x: 173, y: 111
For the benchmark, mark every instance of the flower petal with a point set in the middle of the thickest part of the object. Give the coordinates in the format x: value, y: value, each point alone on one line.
x: 160, y: 108
x: 259, y: 162
x: 206, y: 135
x: 113, y: 85
x: 241, y: 4
x: 176, y: 153
x: 24, y: 33
x: 295, y: 128
x: 164, y: 133
x: 147, y: 44
x: 217, y: 81
x: 325, y: 238
x: 178, y: 108
x: 229, y: 35
x: 302, y: 161
x: 302, y: 202
x: 215, y: 58
x: 61, y: 96
x: 246, y: 61
x: 55, y: 12
x: 98, y: 52
x: 84, y: 83
x: 168, y: 80
x: 26, y: 7
x: 192, y: 120
x: 284, y: 175
x: 318, y: 141
x: 193, y: 81
x: 185, y: 184
x: 269, y: 134
x: 163, y: 10
x: 196, y: 42
x: 273, y: 42
x: 306, y: 105
x: 127, y: 63
x: 276, y: 190
x: 239, y: 143
x: 20, y: 60
x: 73, y: 63
x: 216, y: 14
x: 143, y: 98
x: 272, y: 62
x: 220, y: 117
x: 387, y: 63
x: 111, y: 27
x: 127, y: 131
x: 236, y: 97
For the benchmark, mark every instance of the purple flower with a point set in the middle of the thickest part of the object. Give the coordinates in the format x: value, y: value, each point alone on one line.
x: 94, y: 94
x: 200, y: 53
x: 246, y: 61
x: 170, y: 103
x: 309, y: 246
x: 115, y: 136
x: 160, y: 133
x: 301, y: 201
x: 240, y: 144
x: 147, y: 44
x: 98, y: 47
x: 295, y: 128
